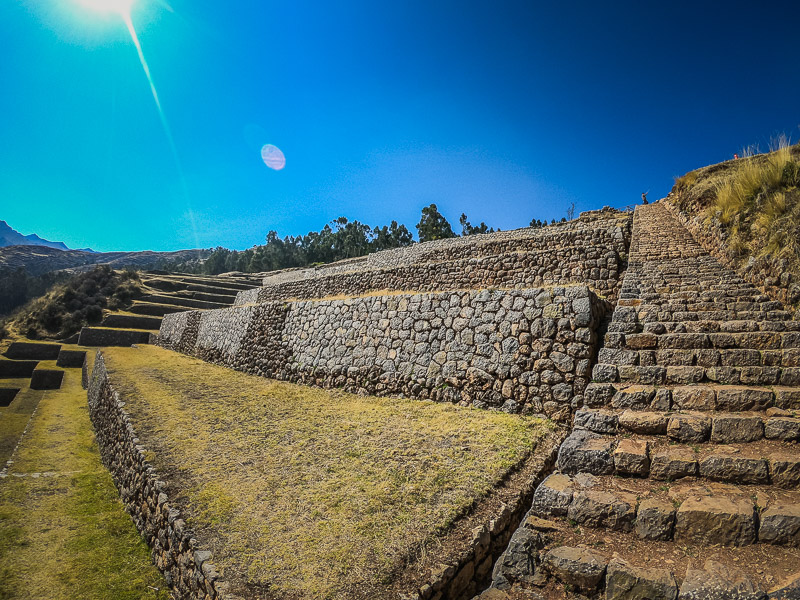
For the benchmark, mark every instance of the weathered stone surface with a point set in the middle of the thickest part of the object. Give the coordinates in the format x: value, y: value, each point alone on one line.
x: 553, y: 496
x: 785, y: 470
x: 578, y: 567
x: 518, y: 562
x: 689, y: 427
x: 730, y: 428
x: 672, y: 464
x: 615, y: 511
x: 782, y: 428
x: 648, y: 423
x: 716, y: 520
x: 599, y: 394
x: 634, y: 396
x: 737, y: 398
x: 787, y: 398
x: 626, y: 582
x: 599, y: 421
x: 631, y: 457
x: 780, y: 524
x: 718, y: 582
x: 586, y: 451
x: 655, y: 519
x: 694, y: 397
x: 734, y: 468
x: 788, y: 589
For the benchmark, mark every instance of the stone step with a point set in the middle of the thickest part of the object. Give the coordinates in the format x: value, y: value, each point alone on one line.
x: 225, y: 283
x: 751, y: 340
x: 648, y: 315
x: 7, y: 395
x: 701, y: 357
x: 694, y: 426
x: 32, y: 351
x: 154, y: 309
x: 118, y: 321
x: 659, y: 327
x: 702, y: 397
x: 101, y: 336
x: 46, y: 379
x: 688, y: 512
x: 186, y: 303
x: 210, y: 289
x: 13, y: 369
x: 751, y: 462
x: 676, y: 375
x: 219, y: 298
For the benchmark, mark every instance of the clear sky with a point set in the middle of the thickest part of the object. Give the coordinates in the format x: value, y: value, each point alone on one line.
x: 504, y: 110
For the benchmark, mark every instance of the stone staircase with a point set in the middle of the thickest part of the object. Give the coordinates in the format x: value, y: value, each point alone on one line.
x: 681, y: 477
x: 166, y: 293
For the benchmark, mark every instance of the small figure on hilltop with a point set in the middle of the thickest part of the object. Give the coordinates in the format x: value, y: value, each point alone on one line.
x: 644, y: 197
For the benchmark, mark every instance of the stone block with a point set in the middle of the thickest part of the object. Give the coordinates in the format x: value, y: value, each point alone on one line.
x: 731, y: 428
x: 553, y: 496
x: 689, y: 427
x: 648, y: 423
x: 599, y: 394
x: 581, y: 568
x: 599, y: 421
x: 716, y: 581
x: 710, y: 520
x: 784, y: 470
x: 787, y: 399
x: 585, y: 451
x: 672, y: 464
x: 605, y: 373
x: 615, y: 511
x: 655, y: 519
x: 626, y: 582
x: 694, y: 397
x: 735, y: 469
x: 682, y: 375
x: 738, y: 398
x: 786, y: 429
x: 631, y: 457
x: 634, y: 396
x: 780, y: 524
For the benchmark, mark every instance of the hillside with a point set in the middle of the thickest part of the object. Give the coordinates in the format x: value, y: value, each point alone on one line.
x: 36, y: 260
x: 746, y: 212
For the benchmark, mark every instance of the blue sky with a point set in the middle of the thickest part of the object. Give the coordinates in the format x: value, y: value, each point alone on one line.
x: 506, y: 111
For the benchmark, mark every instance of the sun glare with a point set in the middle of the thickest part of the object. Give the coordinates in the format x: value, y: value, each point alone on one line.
x: 122, y: 7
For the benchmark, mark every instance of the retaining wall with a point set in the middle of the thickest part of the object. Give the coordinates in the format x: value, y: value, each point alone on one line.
x: 186, y: 566
x: 525, y: 350
x: 592, y: 252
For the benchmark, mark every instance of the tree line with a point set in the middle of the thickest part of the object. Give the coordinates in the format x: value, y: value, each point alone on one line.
x: 338, y: 240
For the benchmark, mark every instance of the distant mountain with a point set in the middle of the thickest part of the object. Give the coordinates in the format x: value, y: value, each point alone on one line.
x: 12, y: 237
x: 36, y: 260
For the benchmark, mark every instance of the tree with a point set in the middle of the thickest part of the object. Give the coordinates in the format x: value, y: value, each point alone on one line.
x: 433, y: 226
x: 468, y: 229
x: 571, y: 212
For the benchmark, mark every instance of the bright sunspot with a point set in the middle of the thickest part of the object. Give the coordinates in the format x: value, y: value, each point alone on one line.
x: 122, y: 7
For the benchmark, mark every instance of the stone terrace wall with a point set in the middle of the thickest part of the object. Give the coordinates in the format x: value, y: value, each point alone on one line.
x: 519, y: 350
x: 186, y: 567
x: 591, y: 251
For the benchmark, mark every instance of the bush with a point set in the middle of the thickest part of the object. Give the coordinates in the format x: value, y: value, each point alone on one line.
x: 78, y: 302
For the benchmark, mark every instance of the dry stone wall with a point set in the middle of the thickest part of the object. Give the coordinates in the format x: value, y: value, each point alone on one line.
x: 587, y: 252
x: 517, y: 350
x: 186, y: 566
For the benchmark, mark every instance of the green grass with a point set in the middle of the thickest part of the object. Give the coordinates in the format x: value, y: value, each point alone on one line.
x: 315, y: 493
x: 68, y: 535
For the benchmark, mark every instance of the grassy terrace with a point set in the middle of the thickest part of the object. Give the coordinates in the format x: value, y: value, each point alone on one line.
x: 63, y: 530
x: 302, y: 492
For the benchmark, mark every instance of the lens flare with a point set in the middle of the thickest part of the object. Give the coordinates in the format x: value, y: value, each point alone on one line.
x: 273, y: 157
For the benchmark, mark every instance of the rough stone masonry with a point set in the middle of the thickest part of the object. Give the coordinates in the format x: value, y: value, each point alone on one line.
x: 525, y: 350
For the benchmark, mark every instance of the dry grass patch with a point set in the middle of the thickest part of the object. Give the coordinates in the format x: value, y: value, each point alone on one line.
x: 66, y: 534
x: 302, y: 492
